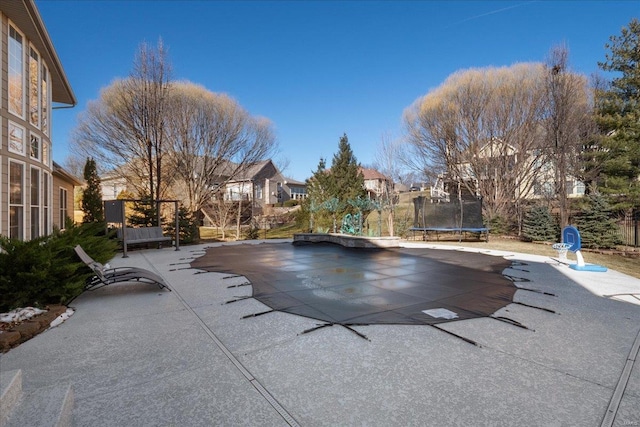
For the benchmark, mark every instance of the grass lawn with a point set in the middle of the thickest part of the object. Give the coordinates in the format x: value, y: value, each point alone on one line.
x: 284, y: 232
x: 625, y: 264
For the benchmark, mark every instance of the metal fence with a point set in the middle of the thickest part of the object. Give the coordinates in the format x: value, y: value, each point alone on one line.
x: 629, y: 229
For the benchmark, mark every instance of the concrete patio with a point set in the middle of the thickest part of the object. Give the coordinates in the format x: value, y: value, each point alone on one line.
x: 133, y: 354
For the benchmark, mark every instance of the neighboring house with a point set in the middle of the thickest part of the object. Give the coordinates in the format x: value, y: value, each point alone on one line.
x: 376, y: 184
x: 260, y: 184
x: 31, y: 79
x: 295, y: 190
x: 263, y: 184
x: 399, y: 187
x: 543, y: 183
x: 111, y: 185
x: 544, y: 186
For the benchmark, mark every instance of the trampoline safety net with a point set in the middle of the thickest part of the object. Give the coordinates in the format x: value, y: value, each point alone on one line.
x: 454, y: 214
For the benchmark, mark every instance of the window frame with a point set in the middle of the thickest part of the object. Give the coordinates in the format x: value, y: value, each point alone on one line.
x: 46, y: 203
x: 62, y: 208
x: 37, y: 232
x: 24, y: 131
x: 38, y: 87
x: 45, y: 153
x: 38, y: 155
x: 11, y: 204
x: 259, y: 191
x: 45, y: 98
x: 20, y: 114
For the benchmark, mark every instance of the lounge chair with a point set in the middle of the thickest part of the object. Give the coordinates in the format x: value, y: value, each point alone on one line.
x: 106, y: 276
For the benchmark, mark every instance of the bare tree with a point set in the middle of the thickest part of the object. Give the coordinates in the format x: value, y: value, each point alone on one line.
x: 283, y: 163
x: 481, y: 128
x: 75, y: 165
x: 124, y: 130
x: 170, y: 138
x: 214, y: 140
x: 569, y: 123
x: 388, y: 161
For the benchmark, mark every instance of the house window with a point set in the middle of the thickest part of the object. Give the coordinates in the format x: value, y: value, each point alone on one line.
x: 46, y: 202
x: 569, y: 187
x: 16, y: 138
x: 35, y: 203
x: 44, y: 98
x: 35, y: 146
x: 63, y: 207
x: 16, y: 200
x: 34, y: 88
x: 258, y: 191
x: 544, y: 188
x: 16, y: 72
x: 580, y: 188
x: 298, y: 193
x: 46, y: 160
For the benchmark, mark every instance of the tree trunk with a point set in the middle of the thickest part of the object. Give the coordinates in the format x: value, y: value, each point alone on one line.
x: 238, y: 219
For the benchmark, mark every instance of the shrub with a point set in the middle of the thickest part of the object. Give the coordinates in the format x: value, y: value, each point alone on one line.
x: 597, y: 228
x: 497, y: 225
x: 290, y: 203
x: 401, y: 226
x: 47, y: 270
x: 539, y: 225
x: 252, y: 233
x: 188, y: 223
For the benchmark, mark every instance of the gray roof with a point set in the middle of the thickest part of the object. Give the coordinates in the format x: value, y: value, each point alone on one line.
x: 291, y: 181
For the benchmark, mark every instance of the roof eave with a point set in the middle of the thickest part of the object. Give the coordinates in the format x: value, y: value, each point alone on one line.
x: 25, y: 15
x: 61, y: 172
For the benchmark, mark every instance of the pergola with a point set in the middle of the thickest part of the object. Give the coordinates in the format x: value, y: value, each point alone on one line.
x: 115, y: 212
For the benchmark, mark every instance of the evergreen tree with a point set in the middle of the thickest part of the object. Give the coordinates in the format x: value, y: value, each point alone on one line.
x: 189, y: 230
x: 539, y: 225
x: 343, y: 182
x: 317, y: 195
x: 346, y: 181
x: 92, y: 194
x: 597, y: 228
x: 618, y: 115
x: 318, y: 184
x: 143, y: 213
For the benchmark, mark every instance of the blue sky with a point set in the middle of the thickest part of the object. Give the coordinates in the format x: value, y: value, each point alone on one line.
x: 320, y: 69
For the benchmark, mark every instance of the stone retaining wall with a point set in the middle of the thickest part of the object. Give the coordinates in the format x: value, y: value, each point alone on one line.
x: 348, y: 241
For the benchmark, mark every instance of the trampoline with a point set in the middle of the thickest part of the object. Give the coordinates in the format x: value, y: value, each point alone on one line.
x: 347, y: 286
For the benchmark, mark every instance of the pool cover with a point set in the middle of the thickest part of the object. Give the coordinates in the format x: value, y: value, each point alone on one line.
x: 349, y: 286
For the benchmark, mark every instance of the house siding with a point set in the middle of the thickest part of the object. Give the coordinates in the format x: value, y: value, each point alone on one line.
x: 59, y: 183
x: 25, y: 14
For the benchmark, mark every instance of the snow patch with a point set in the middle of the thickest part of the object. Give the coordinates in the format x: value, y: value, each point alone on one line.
x: 64, y: 316
x: 20, y: 314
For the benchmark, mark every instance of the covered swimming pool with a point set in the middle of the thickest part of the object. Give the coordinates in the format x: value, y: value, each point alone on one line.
x: 348, y: 286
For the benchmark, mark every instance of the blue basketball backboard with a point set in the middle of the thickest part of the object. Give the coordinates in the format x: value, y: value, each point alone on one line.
x: 571, y: 236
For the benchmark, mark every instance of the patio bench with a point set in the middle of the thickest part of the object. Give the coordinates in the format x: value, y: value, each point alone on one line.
x: 143, y: 235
